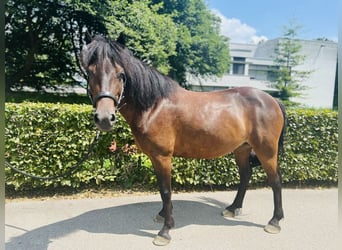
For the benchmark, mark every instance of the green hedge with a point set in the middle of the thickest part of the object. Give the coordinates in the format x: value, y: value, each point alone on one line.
x: 46, y: 139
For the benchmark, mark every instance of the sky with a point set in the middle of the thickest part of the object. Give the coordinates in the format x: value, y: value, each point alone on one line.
x: 250, y: 21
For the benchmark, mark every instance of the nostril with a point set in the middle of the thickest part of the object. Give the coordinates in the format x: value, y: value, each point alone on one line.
x: 113, y: 118
x: 96, y: 118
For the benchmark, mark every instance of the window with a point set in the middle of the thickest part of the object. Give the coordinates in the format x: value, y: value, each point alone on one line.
x: 239, y: 65
x: 238, y: 69
x: 239, y: 59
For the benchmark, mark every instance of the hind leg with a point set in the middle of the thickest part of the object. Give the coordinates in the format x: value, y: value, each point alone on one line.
x: 243, y: 159
x: 269, y: 161
x: 278, y: 214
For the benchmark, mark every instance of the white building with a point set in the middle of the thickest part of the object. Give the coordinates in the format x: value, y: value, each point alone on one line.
x: 251, y: 65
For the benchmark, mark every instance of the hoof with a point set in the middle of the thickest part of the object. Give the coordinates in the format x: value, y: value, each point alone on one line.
x: 161, y: 241
x: 159, y: 219
x: 227, y: 213
x: 272, y: 229
x: 230, y: 214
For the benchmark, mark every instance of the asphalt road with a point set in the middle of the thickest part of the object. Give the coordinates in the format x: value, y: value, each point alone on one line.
x: 126, y: 222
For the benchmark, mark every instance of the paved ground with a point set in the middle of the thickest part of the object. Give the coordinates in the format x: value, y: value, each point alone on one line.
x: 126, y: 222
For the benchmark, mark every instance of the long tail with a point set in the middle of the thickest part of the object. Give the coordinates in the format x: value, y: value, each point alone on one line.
x: 283, y: 131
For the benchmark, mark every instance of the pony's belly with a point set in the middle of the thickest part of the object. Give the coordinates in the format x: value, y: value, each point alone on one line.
x: 205, y: 150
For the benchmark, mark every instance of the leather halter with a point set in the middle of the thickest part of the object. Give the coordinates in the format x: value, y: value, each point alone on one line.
x: 108, y: 94
x: 105, y: 94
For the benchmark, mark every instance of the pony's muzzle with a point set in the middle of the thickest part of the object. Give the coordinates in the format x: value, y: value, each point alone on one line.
x: 104, y: 121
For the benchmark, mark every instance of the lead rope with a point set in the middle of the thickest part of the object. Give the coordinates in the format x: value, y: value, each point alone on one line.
x: 71, y: 170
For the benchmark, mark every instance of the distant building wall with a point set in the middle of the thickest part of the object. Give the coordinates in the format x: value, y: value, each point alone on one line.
x: 252, y: 66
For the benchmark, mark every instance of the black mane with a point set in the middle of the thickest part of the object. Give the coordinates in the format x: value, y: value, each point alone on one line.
x: 144, y: 84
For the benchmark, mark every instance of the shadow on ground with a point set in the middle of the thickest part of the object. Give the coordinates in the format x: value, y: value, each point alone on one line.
x: 133, y: 219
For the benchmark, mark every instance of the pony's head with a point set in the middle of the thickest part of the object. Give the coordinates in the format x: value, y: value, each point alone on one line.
x: 106, y: 79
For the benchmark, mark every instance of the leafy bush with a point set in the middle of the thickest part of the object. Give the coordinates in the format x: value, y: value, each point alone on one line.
x: 47, y: 139
x: 311, y: 148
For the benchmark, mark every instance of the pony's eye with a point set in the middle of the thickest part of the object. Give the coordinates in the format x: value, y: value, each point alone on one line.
x: 122, y: 76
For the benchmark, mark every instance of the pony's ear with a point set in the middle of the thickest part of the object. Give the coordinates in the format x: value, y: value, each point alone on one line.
x: 122, y: 39
x: 87, y: 37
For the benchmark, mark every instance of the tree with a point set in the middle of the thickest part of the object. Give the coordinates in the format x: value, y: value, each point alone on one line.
x: 44, y: 37
x: 40, y: 42
x: 201, y: 50
x: 287, y: 57
x: 150, y: 35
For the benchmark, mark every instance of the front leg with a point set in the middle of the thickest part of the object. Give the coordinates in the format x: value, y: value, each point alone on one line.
x: 162, y: 167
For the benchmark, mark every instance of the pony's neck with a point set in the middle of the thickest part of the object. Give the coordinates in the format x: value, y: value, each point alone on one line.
x: 128, y: 112
x: 134, y: 116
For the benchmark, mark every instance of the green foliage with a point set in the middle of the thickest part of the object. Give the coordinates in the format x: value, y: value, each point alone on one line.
x: 40, y: 37
x: 200, y: 49
x: 47, y: 139
x: 151, y: 36
x: 181, y: 36
x: 311, y: 150
x: 21, y: 96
